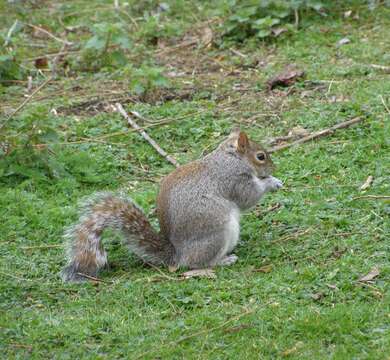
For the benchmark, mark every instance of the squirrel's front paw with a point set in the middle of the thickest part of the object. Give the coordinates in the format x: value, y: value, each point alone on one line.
x: 274, y: 183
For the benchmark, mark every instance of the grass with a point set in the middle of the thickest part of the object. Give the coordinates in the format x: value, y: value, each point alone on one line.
x: 294, y: 292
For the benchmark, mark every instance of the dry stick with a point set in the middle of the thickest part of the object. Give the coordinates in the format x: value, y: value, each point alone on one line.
x: 205, y: 331
x: 372, y: 197
x: 15, y: 277
x: 318, y: 134
x: 91, y: 277
x: 9, y: 34
x: 55, y: 61
x: 133, y: 124
x: 384, y: 104
x: 39, y: 88
x: 50, y: 34
x: 42, y: 247
x: 385, y: 69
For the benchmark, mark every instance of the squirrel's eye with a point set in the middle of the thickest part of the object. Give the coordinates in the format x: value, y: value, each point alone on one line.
x: 260, y: 156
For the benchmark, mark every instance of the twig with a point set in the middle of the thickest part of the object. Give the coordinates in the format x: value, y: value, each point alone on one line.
x: 161, y: 272
x: 318, y: 134
x: 384, y: 104
x: 91, y: 277
x: 21, y: 346
x: 29, y: 84
x: 133, y: 124
x: 15, y: 277
x: 239, y: 53
x: 39, y: 88
x: 137, y: 115
x: 55, y: 61
x: 296, y: 16
x: 372, y: 197
x: 50, y: 34
x: 293, y: 236
x: 42, y: 246
x: 205, y: 331
x: 9, y: 34
x: 385, y: 69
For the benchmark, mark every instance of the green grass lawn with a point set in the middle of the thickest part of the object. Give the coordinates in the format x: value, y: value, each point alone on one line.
x: 295, y: 290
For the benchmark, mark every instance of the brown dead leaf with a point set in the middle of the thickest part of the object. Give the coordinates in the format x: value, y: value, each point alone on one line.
x: 331, y: 286
x: 264, y: 269
x: 207, y: 273
x: 286, y: 78
x: 298, y: 132
x: 338, y: 252
x: 279, y: 30
x: 343, y: 41
x: 367, y: 183
x: 293, y: 349
x: 347, y: 14
x: 206, y: 37
x: 41, y: 63
x: 172, y: 269
x: 374, y: 272
x: 317, y: 296
x: 237, y: 328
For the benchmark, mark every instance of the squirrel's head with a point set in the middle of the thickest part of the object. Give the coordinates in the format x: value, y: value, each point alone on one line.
x: 253, y: 153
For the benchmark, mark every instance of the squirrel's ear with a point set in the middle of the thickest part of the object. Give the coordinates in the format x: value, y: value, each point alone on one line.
x: 242, y: 142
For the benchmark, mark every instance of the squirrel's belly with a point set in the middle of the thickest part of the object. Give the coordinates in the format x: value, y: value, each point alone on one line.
x: 232, y: 230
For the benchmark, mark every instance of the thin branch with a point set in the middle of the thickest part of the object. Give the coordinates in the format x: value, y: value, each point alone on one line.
x: 9, y: 34
x: 292, y: 236
x: 372, y: 197
x: 56, y: 59
x: 385, y: 69
x: 205, y: 331
x: 384, y: 104
x: 238, y: 53
x: 39, y: 88
x: 91, y: 278
x: 318, y: 134
x: 42, y: 246
x: 15, y: 277
x: 134, y: 125
x: 296, y: 16
x: 50, y: 34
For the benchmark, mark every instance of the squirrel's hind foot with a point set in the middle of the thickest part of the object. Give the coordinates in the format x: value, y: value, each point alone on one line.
x: 228, y: 260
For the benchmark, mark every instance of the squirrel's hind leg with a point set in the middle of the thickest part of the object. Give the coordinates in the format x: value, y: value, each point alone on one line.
x: 228, y: 260
x: 208, y: 251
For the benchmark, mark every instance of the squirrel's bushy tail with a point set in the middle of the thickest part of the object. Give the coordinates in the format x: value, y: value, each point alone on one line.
x: 85, y: 252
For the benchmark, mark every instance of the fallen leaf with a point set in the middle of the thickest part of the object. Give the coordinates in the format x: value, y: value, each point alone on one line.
x: 367, y: 183
x: 172, y: 268
x: 317, y: 296
x: 347, y: 14
x: 338, y: 252
x: 374, y: 272
x: 343, y: 41
x: 298, y: 132
x: 207, y: 273
x: 331, y: 286
x: 41, y: 63
x: 264, y: 269
x: 293, y: 349
x: 206, y: 36
x: 279, y: 30
x: 238, y: 328
x: 286, y: 78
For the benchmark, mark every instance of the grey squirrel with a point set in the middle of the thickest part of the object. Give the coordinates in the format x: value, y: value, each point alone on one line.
x: 198, y: 208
